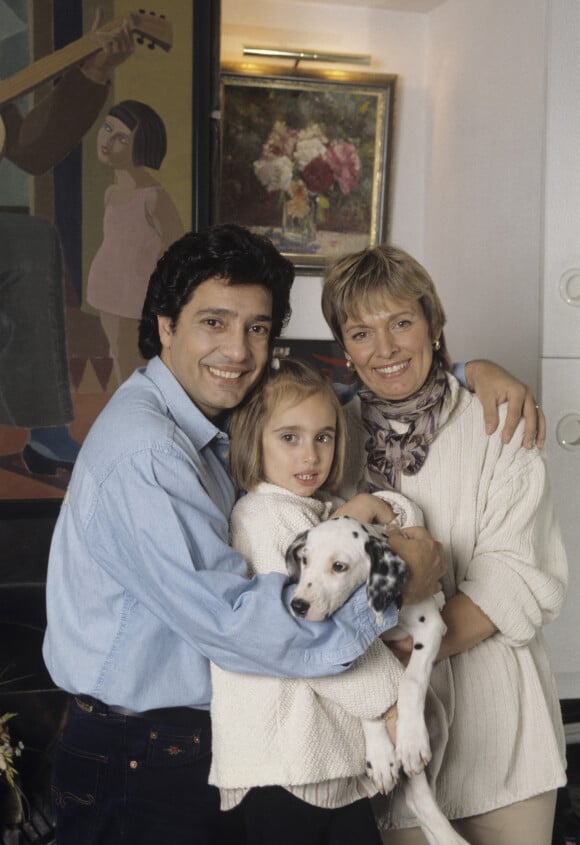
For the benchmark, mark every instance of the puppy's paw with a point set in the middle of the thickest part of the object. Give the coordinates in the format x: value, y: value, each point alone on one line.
x: 382, y: 766
x: 413, y: 747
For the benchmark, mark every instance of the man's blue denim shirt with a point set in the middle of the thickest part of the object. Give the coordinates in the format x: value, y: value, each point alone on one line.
x: 143, y: 588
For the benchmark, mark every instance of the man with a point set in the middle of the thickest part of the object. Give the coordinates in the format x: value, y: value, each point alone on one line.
x: 143, y: 588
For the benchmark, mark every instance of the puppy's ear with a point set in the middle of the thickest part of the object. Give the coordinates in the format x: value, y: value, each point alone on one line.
x: 295, y: 556
x: 387, y: 575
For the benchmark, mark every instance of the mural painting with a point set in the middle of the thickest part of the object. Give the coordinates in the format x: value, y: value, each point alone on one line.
x: 94, y: 98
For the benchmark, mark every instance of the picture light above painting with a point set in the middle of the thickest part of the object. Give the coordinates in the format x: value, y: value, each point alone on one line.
x: 305, y: 157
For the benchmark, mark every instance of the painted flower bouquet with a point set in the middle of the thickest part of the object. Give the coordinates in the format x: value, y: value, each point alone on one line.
x: 308, y: 169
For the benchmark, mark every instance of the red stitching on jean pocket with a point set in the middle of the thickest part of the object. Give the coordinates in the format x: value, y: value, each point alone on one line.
x: 174, y: 750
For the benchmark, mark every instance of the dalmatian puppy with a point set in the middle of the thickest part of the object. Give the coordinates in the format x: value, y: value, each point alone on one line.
x: 328, y: 563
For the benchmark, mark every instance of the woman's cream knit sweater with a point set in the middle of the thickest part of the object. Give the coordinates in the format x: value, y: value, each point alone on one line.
x: 491, y: 508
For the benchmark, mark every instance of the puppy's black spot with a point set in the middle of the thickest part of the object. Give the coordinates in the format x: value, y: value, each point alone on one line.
x: 355, y: 534
x: 295, y: 555
x: 387, y: 575
x: 421, y: 619
x: 368, y: 765
x: 418, y: 646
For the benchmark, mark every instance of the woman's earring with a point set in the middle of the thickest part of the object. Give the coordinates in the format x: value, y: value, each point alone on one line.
x: 436, y: 345
x: 349, y: 364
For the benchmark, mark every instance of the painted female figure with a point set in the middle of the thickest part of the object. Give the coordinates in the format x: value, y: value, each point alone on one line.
x: 140, y: 222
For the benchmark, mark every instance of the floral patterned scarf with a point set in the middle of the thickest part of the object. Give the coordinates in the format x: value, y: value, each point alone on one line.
x: 388, y: 453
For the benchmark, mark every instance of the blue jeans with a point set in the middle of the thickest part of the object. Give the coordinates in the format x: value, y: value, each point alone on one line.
x: 121, y: 779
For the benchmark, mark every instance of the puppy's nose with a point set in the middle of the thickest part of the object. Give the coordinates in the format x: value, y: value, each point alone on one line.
x: 299, y: 607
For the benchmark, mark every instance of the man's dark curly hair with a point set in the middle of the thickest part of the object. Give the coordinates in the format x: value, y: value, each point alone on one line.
x: 225, y: 251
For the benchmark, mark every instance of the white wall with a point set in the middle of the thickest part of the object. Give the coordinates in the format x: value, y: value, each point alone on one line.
x: 486, y: 80
x: 397, y: 44
x: 468, y: 152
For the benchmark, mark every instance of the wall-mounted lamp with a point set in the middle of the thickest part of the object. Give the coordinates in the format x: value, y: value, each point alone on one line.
x: 307, y: 55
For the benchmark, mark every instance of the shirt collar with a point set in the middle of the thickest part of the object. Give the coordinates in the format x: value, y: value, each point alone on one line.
x: 198, y: 428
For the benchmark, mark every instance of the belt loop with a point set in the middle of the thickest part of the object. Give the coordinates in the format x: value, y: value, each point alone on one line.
x: 85, y: 706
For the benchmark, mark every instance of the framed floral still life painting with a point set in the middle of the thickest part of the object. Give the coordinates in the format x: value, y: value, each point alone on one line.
x: 305, y: 159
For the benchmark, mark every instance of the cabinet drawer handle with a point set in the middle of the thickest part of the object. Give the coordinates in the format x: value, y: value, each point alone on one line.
x: 570, y: 287
x: 568, y: 432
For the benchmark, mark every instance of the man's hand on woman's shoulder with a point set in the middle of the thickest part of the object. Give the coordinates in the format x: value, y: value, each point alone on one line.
x: 494, y: 386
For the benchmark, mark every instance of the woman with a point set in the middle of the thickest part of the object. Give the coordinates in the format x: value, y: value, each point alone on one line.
x: 415, y: 429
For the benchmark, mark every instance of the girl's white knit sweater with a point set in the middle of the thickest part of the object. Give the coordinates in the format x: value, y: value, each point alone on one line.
x: 272, y: 731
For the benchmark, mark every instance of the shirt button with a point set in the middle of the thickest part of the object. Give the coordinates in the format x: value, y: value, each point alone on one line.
x: 153, y: 735
x: 133, y: 764
x: 196, y: 740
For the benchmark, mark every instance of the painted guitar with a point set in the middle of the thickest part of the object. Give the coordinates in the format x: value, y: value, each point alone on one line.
x: 152, y: 27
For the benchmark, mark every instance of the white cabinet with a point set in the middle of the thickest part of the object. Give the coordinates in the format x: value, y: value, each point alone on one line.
x: 560, y: 394
x: 561, y: 403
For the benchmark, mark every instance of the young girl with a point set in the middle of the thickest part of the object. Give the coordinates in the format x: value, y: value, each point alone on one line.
x: 292, y: 751
x: 140, y: 222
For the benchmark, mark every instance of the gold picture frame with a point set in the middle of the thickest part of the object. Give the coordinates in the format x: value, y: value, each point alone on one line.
x: 305, y: 158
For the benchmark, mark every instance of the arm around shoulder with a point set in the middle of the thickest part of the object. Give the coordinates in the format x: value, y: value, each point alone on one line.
x: 494, y: 386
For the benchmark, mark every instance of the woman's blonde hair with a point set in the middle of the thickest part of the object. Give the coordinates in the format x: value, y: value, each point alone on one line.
x: 361, y: 279
x: 290, y: 380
